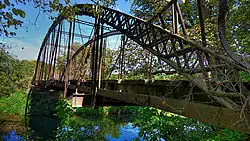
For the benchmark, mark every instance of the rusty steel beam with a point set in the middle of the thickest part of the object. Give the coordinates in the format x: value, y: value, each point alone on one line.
x: 219, y: 116
x: 92, y: 24
x: 89, y: 42
x: 75, y: 34
x: 161, y: 11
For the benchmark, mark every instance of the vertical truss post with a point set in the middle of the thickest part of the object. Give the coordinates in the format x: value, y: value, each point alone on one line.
x: 176, y: 17
x: 52, y: 48
x: 46, y: 60
x: 58, y: 54
x: 150, y: 69
x: 173, y: 19
x: 104, y: 56
x: 64, y: 53
x: 181, y: 18
x: 183, y: 30
x: 84, y: 62
x: 43, y: 62
x: 147, y: 64
x: 66, y: 79
x: 119, y: 63
x: 95, y: 61
x: 72, y: 49
x: 100, y: 58
x: 69, y: 41
x: 175, y: 31
x: 204, y: 43
x: 56, y: 48
x: 68, y: 51
x: 201, y: 18
x: 92, y: 65
x: 122, y: 55
x: 42, y: 65
x: 75, y: 68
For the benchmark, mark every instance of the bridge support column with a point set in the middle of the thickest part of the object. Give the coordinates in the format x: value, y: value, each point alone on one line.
x: 94, y: 61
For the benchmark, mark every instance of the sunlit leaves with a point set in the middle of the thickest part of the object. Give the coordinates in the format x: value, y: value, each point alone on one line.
x: 14, y: 74
x: 7, y: 2
x: 19, y: 12
x: 239, y: 25
x: 12, y: 17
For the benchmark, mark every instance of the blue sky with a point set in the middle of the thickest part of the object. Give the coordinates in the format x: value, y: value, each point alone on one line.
x: 31, y: 38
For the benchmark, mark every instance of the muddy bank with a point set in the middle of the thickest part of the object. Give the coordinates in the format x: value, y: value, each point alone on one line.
x: 10, y: 122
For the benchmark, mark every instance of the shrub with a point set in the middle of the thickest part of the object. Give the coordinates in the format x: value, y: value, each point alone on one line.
x: 14, y: 104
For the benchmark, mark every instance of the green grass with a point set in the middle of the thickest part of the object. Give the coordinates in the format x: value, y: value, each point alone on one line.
x: 14, y: 104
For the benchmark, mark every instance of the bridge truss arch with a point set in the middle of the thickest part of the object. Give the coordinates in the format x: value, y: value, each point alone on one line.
x: 204, y: 67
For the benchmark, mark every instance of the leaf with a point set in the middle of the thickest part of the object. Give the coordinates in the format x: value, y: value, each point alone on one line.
x: 67, y: 1
x: 2, y: 6
x: 14, y: 10
x: 9, y: 15
x: 56, y: 1
x: 21, y: 13
x: 7, y: 2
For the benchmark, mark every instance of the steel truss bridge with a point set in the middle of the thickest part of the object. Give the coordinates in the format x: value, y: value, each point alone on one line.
x: 210, y: 91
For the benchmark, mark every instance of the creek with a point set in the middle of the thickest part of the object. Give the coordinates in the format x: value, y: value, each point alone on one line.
x: 111, y: 128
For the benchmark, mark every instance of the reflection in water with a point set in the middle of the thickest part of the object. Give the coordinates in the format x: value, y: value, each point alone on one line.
x: 114, y: 128
x: 97, y: 128
x: 147, y: 126
x: 11, y: 136
x: 128, y: 132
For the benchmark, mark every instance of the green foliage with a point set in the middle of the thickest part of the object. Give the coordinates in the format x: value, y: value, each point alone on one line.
x: 11, y: 17
x: 14, y: 74
x: 121, y: 110
x: 14, y: 104
x: 85, y: 111
x: 237, y: 21
x: 228, y: 135
x: 238, y: 25
x: 147, y: 8
x: 64, y: 109
x: 155, y: 124
x: 107, y: 111
x: 245, y: 76
x: 87, y: 128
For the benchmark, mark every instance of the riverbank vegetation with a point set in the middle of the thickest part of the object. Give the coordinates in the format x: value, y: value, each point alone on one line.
x: 14, y: 74
x: 15, y: 81
x: 153, y: 124
x: 15, y: 103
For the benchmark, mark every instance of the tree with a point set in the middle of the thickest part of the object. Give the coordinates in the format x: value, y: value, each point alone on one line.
x: 11, y: 17
x: 237, y: 21
x: 14, y: 74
